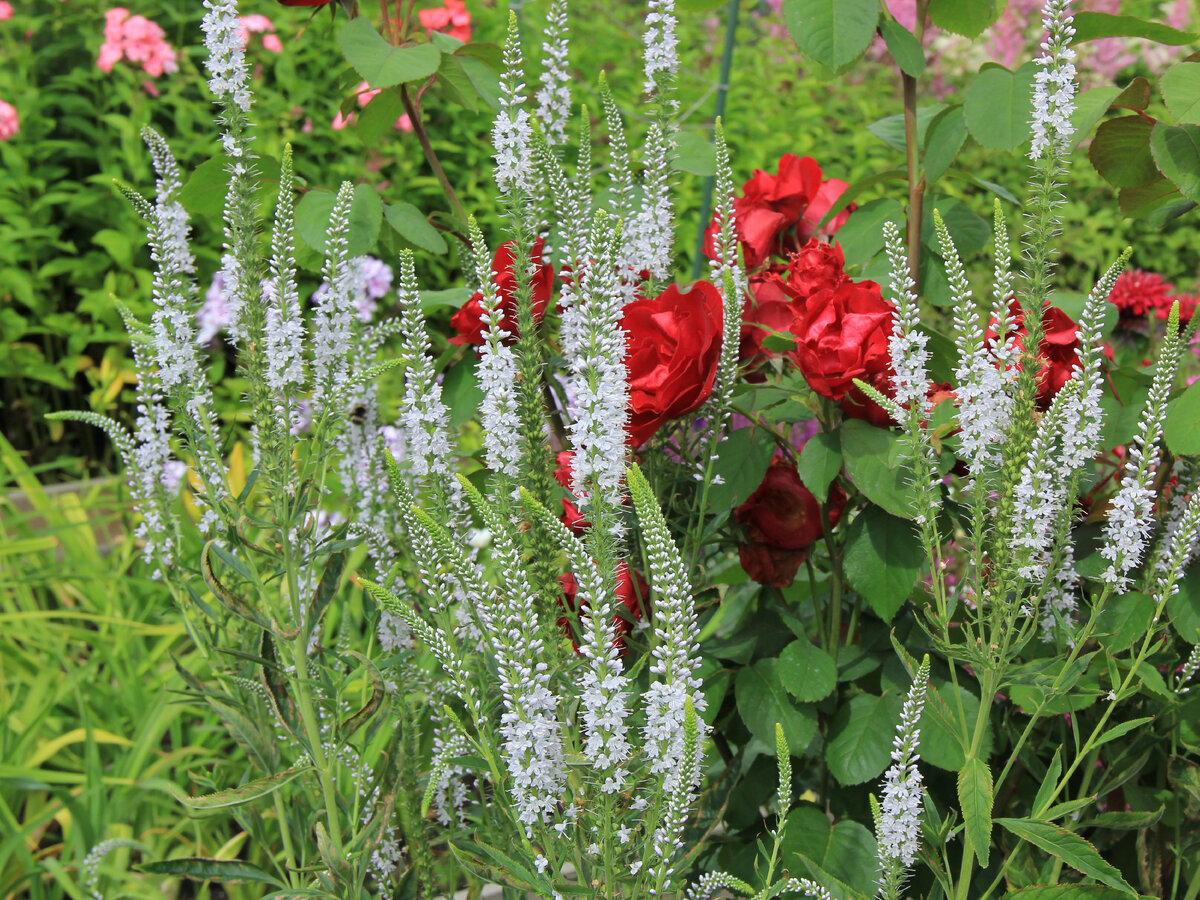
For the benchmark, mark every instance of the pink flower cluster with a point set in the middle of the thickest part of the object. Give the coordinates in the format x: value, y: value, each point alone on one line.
x: 10, y: 124
x: 259, y: 24
x: 6, y: 11
x: 452, y: 18
x: 136, y: 39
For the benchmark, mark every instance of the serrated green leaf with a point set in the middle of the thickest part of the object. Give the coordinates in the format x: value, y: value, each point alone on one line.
x: 975, y: 798
x: 999, y: 106
x: 762, y: 701
x: 1069, y: 847
x: 877, y: 464
x: 412, y: 225
x: 379, y: 63
x: 808, y: 673
x: 860, y: 738
x: 820, y: 461
x: 833, y: 32
x: 745, y: 455
x: 883, y: 560
x: 1121, y: 153
x: 1176, y: 152
x: 1180, y: 86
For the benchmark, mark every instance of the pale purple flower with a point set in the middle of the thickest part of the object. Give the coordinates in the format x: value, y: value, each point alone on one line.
x: 214, y: 316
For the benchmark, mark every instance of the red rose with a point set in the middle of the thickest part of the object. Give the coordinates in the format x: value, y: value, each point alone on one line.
x: 815, y: 267
x: 842, y: 334
x: 782, y: 519
x: 779, y: 213
x: 635, y: 599
x: 768, y: 308
x: 1057, y: 352
x: 468, y: 321
x: 674, y: 343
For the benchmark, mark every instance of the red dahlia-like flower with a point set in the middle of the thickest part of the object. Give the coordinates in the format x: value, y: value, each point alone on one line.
x: 674, y: 343
x: 468, y: 321
x: 778, y: 213
x: 1138, y: 293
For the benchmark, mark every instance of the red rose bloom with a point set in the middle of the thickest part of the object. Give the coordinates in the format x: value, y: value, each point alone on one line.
x: 782, y: 519
x: 468, y: 321
x: 1057, y: 352
x: 674, y: 343
x: 842, y: 333
x: 815, y: 267
x: 768, y: 308
x: 779, y: 213
x: 633, y: 598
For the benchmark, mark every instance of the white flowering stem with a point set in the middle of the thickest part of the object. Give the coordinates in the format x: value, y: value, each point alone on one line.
x: 898, y: 817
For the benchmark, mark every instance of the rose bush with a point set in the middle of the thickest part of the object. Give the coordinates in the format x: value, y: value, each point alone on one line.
x: 779, y: 213
x: 674, y: 343
x: 468, y: 321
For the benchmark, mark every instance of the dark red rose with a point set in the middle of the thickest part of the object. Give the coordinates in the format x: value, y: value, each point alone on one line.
x: 674, y: 343
x: 779, y: 213
x: 782, y: 520
x: 633, y: 598
x: 842, y: 334
x: 468, y: 321
x: 1057, y: 352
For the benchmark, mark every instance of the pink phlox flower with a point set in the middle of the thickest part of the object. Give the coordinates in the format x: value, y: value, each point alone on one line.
x: 257, y: 23
x: 137, y: 39
x: 10, y: 123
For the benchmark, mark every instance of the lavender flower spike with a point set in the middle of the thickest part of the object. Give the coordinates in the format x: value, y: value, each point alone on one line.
x: 1054, y: 89
x: 898, y: 825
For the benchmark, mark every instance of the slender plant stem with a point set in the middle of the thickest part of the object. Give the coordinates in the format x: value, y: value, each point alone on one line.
x: 414, y: 114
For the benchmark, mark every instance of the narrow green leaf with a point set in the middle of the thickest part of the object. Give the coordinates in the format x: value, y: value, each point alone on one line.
x: 1090, y: 26
x: 1042, y: 801
x: 1070, y: 848
x: 1065, y: 892
x: 243, y: 793
x: 903, y: 46
x: 945, y: 137
x: 226, y: 871
x: 975, y: 797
